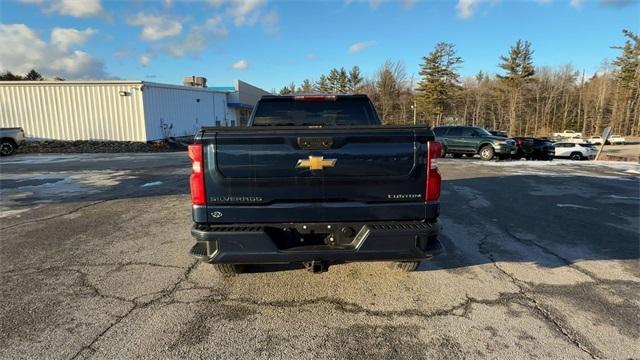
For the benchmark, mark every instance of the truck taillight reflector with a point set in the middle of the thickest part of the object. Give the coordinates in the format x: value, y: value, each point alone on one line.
x: 434, y: 180
x: 196, y: 181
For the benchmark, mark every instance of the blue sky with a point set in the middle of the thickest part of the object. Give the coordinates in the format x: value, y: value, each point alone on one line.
x: 271, y: 43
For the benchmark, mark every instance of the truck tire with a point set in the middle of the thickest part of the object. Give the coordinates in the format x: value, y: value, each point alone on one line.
x: 486, y: 152
x: 406, y: 266
x: 576, y: 156
x: 7, y: 147
x: 229, y: 269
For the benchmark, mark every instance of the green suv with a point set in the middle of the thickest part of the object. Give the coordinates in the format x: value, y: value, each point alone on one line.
x: 469, y: 140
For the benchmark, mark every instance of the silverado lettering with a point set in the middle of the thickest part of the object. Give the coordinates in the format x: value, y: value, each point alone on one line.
x: 315, y: 180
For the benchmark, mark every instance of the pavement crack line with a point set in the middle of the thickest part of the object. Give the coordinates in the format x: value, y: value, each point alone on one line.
x: 167, y: 292
x: 119, y: 266
x: 58, y: 215
x: 533, y: 304
x: 353, y: 308
x: 552, y: 253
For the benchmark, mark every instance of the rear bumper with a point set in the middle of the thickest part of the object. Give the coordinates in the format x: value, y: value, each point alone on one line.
x: 258, y: 244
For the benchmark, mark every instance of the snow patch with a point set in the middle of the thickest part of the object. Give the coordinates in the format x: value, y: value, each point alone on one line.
x: 155, y: 183
x: 574, y: 206
x: 8, y: 213
x: 623, y: 197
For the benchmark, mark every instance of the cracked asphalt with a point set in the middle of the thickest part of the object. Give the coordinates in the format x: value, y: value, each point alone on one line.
x: 542, y: 261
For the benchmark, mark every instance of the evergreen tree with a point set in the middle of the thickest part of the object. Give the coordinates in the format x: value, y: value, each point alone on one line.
x: 306, y: 87
x: 33, y: 76
x: 626, y: 103
x: 322, y: 85
x: 519, y: 69
x: 440, y: 81
x: 343, y: 81
x: 355, y: 80
x: 9, y: 76
x: 628, y: 62
x: 334, y: 80
x: 284, y: 91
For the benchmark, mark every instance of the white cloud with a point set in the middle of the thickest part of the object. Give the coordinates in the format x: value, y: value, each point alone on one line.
x: 144, y: 59
x: 245, y: 11
x: 64, y: 38
x: 576, y: 3
x: 198, y: 38
x: 22, y: 49
x: 78, y: 8
x: 466, y: 8
x: 240, y: 65
x: 359, y: 46
x: 156, y: 27
x: 75, y: 8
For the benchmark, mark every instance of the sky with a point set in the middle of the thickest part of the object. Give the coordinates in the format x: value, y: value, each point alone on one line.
x: 272, y: 43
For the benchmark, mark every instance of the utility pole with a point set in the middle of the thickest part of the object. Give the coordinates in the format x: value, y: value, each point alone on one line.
x: 415, y: 109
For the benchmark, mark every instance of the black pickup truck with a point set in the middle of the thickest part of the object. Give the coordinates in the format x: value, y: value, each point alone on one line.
x: 315, y: 180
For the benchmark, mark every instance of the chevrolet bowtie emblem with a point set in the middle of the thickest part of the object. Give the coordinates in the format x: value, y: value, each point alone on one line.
x: 316, y: 163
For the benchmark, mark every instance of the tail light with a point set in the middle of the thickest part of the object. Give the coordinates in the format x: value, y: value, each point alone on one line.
x: 434, y: 180
x: 196, y: 181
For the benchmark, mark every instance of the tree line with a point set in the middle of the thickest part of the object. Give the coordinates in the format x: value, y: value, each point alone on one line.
x: 30, y: 76
x: 522, y: 98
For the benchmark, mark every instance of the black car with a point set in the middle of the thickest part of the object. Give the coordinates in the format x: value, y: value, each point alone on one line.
x: 532, y: 148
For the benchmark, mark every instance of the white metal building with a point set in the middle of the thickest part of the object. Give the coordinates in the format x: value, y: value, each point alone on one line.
x: 115, y: 110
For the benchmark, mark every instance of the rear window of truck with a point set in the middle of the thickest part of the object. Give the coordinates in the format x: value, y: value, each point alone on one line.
x: 330, y: 112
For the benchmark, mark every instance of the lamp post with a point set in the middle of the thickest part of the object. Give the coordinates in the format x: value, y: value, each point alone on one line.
x: 415, y: 109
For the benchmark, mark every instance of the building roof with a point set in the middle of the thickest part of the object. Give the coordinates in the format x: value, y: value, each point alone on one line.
x: 109, y: 82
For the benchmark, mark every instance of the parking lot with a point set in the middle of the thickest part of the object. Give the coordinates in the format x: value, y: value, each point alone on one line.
x: 542, y: 260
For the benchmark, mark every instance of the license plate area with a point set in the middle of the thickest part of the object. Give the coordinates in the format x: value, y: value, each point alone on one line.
x: 314, y: 236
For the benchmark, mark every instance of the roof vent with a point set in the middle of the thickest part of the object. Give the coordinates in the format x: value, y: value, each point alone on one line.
x: 195, y: 81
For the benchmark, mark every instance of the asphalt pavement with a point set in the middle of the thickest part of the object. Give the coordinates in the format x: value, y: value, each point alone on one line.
x: 541, y: 261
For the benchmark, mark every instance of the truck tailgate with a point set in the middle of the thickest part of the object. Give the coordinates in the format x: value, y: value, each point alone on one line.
x: 323, y: 174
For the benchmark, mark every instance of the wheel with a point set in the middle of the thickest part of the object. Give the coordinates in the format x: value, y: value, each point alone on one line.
x: 487, y: 152
x: 229, y: 269
x: 457, y: 156
x: 7, y: 147
x: 406, y: 266
x: 576, y: 156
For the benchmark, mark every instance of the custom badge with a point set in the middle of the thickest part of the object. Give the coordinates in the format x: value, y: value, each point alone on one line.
x: 316, y: 163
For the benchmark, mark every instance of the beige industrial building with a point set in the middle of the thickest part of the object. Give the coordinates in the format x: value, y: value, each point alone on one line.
x: 121, y: 110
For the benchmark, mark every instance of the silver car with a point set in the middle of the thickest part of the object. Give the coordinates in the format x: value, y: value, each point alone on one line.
x: 10, y: 139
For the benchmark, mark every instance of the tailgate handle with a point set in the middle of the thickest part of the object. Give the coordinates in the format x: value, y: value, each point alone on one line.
x: 315, y: 143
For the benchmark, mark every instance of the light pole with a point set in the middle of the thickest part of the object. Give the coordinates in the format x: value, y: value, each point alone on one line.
x: 415, y: 109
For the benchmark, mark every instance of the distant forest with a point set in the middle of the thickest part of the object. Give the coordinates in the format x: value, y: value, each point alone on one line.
x: 522, y: 99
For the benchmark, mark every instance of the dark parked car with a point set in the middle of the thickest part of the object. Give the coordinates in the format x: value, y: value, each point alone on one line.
x: 534, y: 149
x: 469, y: 140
